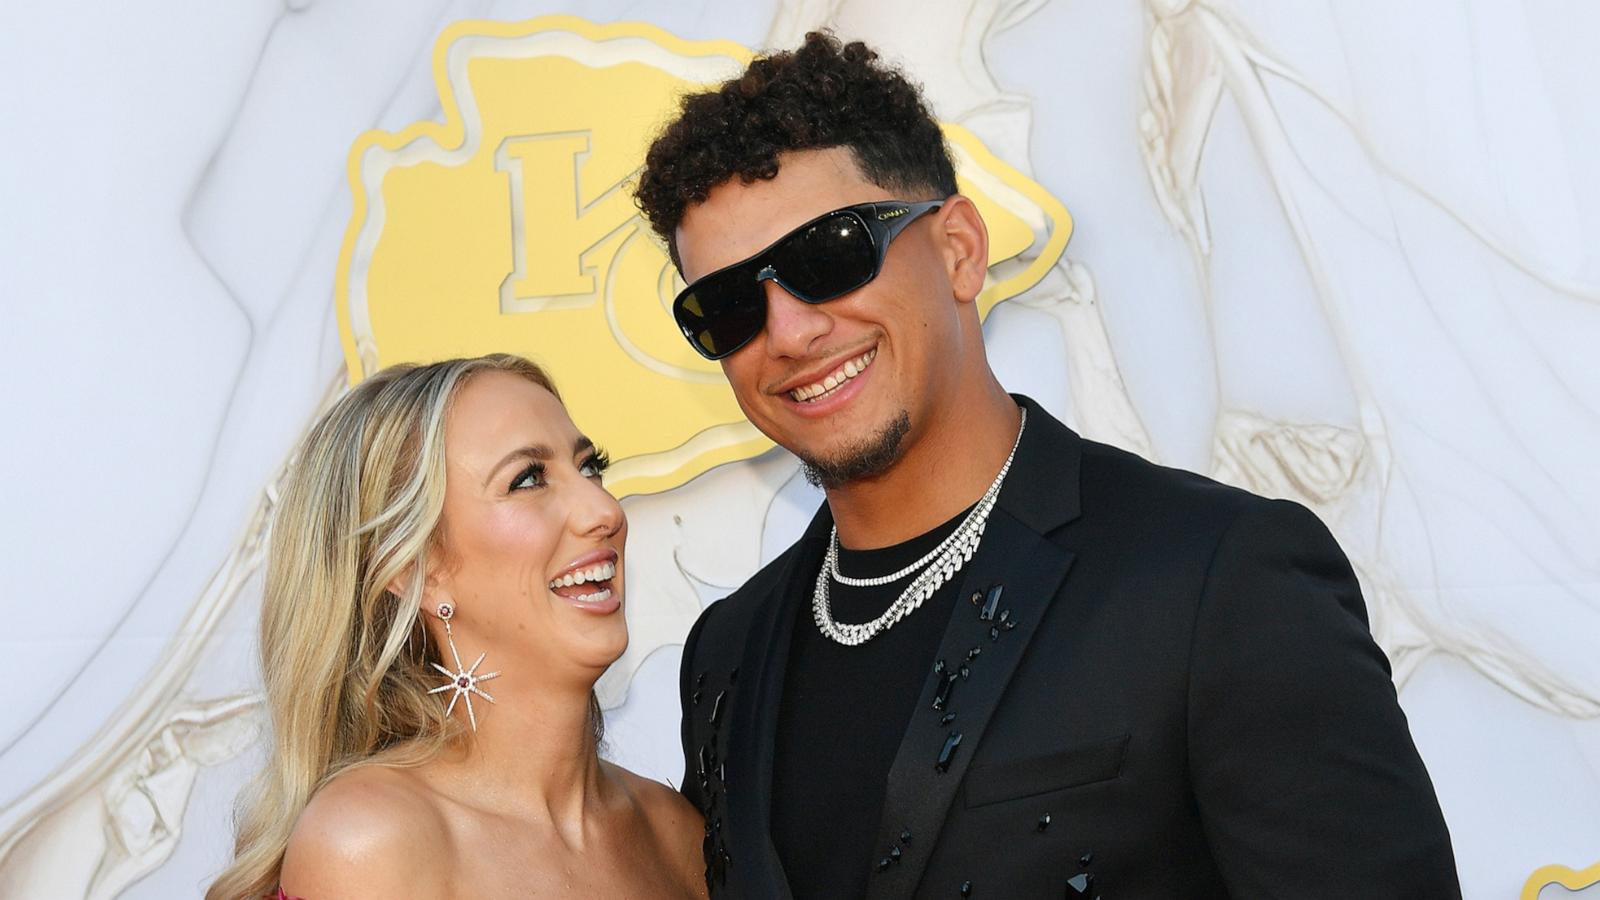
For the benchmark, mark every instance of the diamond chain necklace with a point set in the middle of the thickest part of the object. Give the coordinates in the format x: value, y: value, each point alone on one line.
x: 938, y: 566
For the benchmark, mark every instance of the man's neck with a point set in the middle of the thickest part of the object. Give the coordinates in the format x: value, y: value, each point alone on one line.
x: 950, y: 461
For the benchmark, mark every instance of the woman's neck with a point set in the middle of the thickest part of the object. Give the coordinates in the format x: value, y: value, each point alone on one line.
x: 534, y: 755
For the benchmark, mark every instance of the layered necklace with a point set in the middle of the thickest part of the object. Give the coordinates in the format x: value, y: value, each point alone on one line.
x: 937, y: 567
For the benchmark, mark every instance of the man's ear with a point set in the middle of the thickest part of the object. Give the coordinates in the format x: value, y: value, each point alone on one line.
x: 965, y: 241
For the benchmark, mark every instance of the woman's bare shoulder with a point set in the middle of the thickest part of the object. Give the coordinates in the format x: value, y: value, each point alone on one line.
x: 655, y: 798
x: 373, y: 831
x: 678, y: 826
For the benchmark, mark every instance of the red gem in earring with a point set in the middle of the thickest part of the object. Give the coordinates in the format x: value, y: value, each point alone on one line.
x: 464, y: 680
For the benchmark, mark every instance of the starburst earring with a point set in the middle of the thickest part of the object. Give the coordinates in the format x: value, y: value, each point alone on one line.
x: 464, y: 680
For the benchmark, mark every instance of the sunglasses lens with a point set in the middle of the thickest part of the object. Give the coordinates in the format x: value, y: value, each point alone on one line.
x: 722, y: 313
x: 833, y: 256
x: 829, y: 258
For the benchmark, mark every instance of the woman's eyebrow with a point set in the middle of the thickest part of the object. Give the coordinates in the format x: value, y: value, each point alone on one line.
x: 538, y: 452
x: 532, y: 451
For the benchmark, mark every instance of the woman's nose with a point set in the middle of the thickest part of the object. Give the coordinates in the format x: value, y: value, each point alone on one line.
x: 598, y: 514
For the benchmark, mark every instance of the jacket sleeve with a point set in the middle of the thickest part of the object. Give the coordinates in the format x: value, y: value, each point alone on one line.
x: 1307, y: 779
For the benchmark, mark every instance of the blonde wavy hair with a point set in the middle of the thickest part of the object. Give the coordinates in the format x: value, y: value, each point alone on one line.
x: 344, y: 659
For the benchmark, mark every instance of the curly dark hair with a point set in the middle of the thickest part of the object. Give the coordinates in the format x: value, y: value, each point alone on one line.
x: 823, y: 94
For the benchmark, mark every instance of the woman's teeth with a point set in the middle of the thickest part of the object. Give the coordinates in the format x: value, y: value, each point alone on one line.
x: 599, y: 596
x: 833, y: 382
x: 603, y: 572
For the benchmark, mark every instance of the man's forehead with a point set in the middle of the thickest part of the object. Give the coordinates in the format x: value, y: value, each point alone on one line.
x: 737, y: 219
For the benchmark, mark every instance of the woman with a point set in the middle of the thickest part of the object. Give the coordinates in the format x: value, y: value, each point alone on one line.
x: 443, y: 590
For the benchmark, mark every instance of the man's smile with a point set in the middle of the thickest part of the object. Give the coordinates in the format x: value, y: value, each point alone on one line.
x: 829, y: 384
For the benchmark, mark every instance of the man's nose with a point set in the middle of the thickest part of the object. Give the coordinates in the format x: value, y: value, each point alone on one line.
x: 793, y: 325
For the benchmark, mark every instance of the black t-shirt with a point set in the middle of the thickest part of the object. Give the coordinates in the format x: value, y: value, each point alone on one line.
x: 843, y: 713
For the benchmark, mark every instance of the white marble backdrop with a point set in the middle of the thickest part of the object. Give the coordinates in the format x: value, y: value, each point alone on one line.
x: 1343, y: 252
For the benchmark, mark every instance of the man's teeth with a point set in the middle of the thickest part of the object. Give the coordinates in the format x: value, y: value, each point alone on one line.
x: 603, y: 572
x: 844, y: 373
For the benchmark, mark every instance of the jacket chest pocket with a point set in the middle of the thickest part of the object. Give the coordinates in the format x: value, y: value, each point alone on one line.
x: 1071, y: 767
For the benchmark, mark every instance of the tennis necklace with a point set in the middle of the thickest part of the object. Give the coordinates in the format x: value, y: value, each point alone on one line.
x: 938, y: 566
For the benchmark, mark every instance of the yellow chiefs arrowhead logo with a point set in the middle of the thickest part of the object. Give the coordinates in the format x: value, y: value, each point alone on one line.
x: 510, y: 226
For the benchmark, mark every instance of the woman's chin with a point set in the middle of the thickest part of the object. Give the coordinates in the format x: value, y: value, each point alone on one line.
x: 599, y: 652
x: 594, y: 629
x: 603, y: 639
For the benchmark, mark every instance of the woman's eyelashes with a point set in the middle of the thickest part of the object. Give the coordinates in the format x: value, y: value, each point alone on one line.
x: 596, y: 464
x: 533, y: 475
x: 529, y: 477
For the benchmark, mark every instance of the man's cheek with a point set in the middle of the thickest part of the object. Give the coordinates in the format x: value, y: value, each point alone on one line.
x: 743, y: 380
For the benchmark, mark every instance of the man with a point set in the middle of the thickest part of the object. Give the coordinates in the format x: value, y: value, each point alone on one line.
x: 1003, y: 661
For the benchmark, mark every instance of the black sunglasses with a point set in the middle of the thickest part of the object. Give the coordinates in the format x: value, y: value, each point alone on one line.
x: 825, y: 258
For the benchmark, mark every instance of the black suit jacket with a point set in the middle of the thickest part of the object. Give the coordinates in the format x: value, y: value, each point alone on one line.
x: 1165, y: 687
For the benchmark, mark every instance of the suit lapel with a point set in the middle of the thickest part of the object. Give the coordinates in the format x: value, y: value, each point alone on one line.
x: 1014, y: 576
x: 754, y: 724
x: 1010, y: 583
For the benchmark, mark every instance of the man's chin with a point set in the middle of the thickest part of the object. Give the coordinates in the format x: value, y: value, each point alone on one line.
x: 867, y: 458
